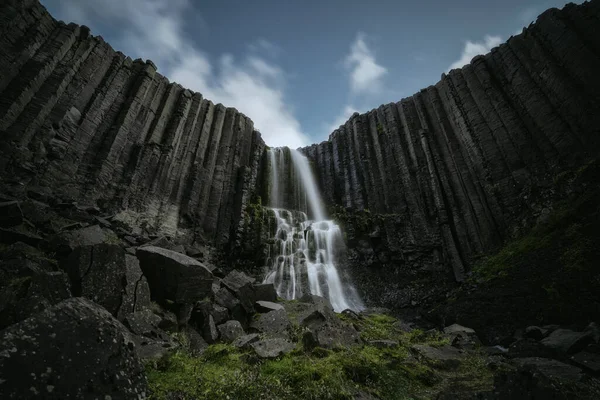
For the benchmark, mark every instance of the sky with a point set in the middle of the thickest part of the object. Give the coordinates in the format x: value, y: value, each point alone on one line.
x: 300, y: 68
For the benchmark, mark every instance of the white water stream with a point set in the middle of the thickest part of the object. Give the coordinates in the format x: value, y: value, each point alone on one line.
x: 305, y: 251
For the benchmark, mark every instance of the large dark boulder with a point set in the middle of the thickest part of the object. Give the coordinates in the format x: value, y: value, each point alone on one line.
x: 73, y: 350
x: 265, y: 292
x: 173, y: 276
x: 104, y: 274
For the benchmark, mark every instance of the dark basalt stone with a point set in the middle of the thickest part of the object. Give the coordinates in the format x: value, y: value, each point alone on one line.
x: 42, y: 355
x: 174, y: 276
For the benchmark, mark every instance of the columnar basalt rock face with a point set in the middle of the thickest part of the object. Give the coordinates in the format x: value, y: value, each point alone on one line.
x: 83, y: 122
x: 469, y: 163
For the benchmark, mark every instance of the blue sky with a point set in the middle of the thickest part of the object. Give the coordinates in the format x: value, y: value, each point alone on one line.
x: 301, y: 68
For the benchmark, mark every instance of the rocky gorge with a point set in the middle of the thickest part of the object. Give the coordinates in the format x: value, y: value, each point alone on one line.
x: 445, y: 246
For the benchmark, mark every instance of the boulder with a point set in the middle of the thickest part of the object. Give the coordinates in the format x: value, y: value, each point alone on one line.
x: 230, y: 331
x: 272, y: 348
x: 209, y: 330
x: 152, y: 343
x: 267, y: 306
x: 331, y: 337
x: 66, y: 242
x: 462, y: 337
x: 588, y: 361
x: 245, y: 341
x: 161, y: 242
x: 30, y: 291
x: 564, y: 341
x: 241, y: 286
x: 220, y: 314
x: 528, y: 348
x: 174, y: 276
x: 195, y: 343
x: 445, y: 357
x: 75, y: 349
x: 265, y: 292
x: 542, y: 378
x: 535, y: 333
x: 179, y: 249
x: 272, y: 324
x: 10, y: 214
x: 99, y: 273
x: 137, y: 292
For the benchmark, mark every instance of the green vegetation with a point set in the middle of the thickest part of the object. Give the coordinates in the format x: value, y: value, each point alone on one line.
x: 224, y: 372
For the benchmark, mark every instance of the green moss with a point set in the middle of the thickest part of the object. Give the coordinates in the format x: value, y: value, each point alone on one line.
x: 224, y: 372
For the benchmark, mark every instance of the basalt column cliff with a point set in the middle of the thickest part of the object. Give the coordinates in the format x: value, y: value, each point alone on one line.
x: 461, y: 167
x: 83, y: 122
x: 423, y: 186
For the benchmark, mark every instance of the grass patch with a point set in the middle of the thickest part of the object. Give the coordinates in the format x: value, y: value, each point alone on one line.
x: 224, y: 372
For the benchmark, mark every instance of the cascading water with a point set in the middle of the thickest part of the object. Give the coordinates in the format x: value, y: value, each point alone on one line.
x: 305, y: 250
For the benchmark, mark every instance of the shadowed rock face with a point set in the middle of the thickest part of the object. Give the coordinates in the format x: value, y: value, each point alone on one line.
x: 467, y: 163
x: 87, y: 123
x: 454, y: 171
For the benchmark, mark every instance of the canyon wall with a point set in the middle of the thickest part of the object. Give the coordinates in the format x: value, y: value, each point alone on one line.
x: 422, y: 187
x: 82, y: 122
x: 461, y: 167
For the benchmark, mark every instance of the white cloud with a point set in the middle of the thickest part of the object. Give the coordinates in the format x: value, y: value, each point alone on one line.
x: 153, y: 29
x: 473, y: 49
x: 365, y: 74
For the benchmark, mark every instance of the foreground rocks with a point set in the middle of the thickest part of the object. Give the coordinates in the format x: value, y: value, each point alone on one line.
x: 73, y: 350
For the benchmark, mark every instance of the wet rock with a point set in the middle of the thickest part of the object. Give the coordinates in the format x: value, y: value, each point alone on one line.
x: 245, y: 341
x: 10, y: 214
x: 445, y: 357
x: 230, y: 331
x: 565, y: 341
x: 265, y: 292
x: 86, y: 354
x: 272, y: 348
x: 266, y: 306
x: 174, y: 276
x: 273, y: 324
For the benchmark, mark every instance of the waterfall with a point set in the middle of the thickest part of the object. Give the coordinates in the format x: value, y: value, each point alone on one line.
x: 306, y: 246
